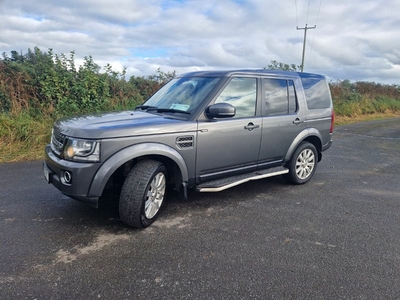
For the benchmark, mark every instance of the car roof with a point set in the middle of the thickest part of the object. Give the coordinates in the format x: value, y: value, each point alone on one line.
x: 228, y: 73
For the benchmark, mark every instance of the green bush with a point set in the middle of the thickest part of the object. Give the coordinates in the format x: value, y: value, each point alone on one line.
x: 47, y: 84
x: 39, y: 87
x: 364, y: 98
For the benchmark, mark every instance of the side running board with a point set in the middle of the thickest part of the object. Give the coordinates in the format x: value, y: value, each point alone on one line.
x: 226, y: 183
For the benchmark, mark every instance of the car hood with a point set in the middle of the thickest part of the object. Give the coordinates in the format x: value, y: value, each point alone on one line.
x: 122, y: 124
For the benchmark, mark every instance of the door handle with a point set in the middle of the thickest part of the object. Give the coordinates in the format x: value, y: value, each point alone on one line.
x: 297, y: 121
x: 251, y: 126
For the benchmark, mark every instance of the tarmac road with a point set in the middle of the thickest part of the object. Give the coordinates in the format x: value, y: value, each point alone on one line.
x: 337, y: 237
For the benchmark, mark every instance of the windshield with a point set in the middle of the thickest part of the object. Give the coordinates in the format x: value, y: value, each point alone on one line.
x: 181, y: 94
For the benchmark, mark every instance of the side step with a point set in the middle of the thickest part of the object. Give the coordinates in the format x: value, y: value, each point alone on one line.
x: 226, y: 183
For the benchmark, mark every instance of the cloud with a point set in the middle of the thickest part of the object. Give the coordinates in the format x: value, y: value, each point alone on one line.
x: 354, y: 40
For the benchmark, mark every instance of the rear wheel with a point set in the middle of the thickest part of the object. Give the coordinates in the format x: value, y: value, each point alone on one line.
x: 143, y: 193
x: 303, y: 164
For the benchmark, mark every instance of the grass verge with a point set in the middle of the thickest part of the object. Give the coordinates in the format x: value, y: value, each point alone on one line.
x: 343, y: 120
x: 23, y: 137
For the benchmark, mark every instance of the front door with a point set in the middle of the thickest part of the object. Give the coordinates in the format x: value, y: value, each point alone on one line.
x: 231, y: 146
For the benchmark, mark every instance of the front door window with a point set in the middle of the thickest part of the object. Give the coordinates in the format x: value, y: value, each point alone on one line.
x: 241, y: 92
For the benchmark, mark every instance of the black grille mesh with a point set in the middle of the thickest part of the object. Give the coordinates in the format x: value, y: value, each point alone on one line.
x: 57, y: 140
x: 184, y: 142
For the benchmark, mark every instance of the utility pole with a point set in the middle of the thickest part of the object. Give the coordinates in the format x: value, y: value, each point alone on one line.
x: 304, y: 43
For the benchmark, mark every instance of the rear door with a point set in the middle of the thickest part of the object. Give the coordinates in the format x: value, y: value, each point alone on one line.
x: 282, y: 119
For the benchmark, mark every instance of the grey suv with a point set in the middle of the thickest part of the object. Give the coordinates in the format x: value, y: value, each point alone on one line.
x: 203, y: 130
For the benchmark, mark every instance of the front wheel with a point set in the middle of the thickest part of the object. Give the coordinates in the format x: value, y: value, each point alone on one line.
x: 143, y: 193
x: 303, y: 164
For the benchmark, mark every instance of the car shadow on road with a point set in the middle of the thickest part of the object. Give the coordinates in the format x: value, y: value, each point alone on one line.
x: 107, y: 217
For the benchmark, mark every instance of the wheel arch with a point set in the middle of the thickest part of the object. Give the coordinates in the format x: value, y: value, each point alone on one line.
x: 169, y: 156
x: 310, y: 135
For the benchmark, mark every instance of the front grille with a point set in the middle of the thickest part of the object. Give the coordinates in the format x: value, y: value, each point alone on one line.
x: 57, y: 140
x: 184, y: 142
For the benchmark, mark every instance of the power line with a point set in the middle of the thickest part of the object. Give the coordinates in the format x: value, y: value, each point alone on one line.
x: 319, y: 8
x: 297, y: 25
x: 316, y: 21
x: 305, y: 30
x: 308, y: 10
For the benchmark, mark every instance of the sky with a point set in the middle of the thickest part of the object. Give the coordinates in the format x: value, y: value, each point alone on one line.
x: 358, y: 40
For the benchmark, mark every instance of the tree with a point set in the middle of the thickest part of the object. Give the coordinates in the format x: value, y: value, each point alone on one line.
x: 274, y: 65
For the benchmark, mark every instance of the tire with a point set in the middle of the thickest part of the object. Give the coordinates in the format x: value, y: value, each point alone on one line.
x: 302, y: 164
x: 143, y: 194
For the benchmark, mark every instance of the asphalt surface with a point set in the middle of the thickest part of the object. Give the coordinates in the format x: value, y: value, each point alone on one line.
x: 337, y: 237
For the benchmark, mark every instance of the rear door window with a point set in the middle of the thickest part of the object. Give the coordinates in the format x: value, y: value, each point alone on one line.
x: 279, y: 97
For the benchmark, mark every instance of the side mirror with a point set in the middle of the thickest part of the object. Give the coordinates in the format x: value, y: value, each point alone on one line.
x: 220, y: 110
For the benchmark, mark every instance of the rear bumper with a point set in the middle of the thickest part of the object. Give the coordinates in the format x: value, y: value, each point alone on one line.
x: 327, y: 146
x: 81, y: 177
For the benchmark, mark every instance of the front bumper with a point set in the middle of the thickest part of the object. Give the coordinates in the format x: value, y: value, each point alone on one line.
x: 82, y: 175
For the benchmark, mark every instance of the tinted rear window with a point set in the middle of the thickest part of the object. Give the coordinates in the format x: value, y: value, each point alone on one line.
x: 317, y: 92
x: 279, y: 97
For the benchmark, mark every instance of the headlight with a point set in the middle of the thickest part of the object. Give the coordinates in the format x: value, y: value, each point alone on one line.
x: 82, y: 150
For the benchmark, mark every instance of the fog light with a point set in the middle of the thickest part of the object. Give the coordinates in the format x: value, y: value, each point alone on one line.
x: 67, y: 177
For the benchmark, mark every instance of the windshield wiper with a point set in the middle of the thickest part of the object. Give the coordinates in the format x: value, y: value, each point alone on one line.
x: 145, y: 107
x: 173, y: 110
